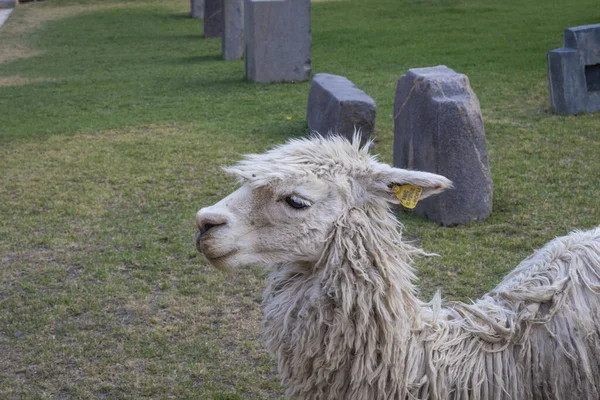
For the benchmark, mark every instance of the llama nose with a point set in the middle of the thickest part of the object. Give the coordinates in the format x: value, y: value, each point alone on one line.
x: 206, y: 220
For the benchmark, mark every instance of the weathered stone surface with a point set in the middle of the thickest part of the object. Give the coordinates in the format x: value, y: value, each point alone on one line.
x: 277, y: 40
x: 197, y: 8
x: 438, y: 128
x: 574, y: 71
x: 232, y: 46
x: 213, y: 18
x: 336, y: 105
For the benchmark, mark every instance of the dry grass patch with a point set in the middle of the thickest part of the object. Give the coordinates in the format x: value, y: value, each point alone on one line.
x: 14, y: 51
x: 26, y: 19
x: 20, y: 81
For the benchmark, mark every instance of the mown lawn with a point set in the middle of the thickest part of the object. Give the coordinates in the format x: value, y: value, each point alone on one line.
x: 115, y: 117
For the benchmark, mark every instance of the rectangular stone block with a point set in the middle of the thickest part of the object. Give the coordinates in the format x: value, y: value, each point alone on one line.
x: 574, y: 71
x: 277, y: 40
x: 336, y: 105
x: 438, y: 128
x: 197, y: 8
x: 232, y: 46
x: 213, y: 18
x: 567, y: 89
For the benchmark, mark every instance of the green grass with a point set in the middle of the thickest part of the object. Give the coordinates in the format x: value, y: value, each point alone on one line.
x: 112, y: 132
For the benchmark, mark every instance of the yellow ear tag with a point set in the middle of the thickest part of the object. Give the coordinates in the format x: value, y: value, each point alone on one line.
x: 408, y: 194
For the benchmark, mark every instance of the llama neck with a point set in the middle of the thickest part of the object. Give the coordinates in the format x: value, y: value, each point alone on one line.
x: 351, y: 313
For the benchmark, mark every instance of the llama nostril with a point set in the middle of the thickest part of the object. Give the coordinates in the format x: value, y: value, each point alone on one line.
x: 207, y: 219
x: 206, y: 226
x: 209, y: 226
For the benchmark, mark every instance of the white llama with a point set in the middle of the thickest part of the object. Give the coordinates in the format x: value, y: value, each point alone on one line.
x: 341, y: 307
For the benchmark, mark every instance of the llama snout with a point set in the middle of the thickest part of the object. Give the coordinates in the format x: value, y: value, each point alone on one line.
x: 207, y: 222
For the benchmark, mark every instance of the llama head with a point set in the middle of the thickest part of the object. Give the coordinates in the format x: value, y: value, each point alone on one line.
x: 291, y: 196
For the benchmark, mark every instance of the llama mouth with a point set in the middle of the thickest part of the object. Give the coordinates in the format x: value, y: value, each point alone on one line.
x: 215, y: 259
x: 199, y: 246
x: 208, y: 251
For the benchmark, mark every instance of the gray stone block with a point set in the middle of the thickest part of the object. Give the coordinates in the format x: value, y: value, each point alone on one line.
x: 232, y: 46
x: 574, y: 71
x: 438, y: 128
x: 336, y: 105
x: 277, y: 40
x: 197, y: 8
x: 213, y: 18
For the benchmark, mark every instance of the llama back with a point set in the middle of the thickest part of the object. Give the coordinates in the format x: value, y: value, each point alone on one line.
x: 535, y: 336
x: 556, y: 297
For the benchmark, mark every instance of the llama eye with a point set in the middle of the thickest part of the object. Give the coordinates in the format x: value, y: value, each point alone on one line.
x: 297, y: 203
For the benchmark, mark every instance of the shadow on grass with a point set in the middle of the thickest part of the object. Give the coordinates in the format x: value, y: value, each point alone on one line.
x: 197, y: 59
x: 287, y: 130
x: 180, y: 16
x: 230, y: 84
x: 179, y: 38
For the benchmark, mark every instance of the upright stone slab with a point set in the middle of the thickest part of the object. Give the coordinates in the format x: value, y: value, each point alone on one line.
x: 336, y: 105
x: 574, y: 71
x: 438, y: 128
x: 232, y: 46
x: 197, y: 9
x: 213, y: 18
x: 277, y: 40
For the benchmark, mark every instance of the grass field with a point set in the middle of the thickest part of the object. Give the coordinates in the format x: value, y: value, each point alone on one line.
x: 115, y: 117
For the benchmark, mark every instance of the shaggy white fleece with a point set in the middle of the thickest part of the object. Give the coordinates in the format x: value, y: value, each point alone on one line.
x: 352, y: 327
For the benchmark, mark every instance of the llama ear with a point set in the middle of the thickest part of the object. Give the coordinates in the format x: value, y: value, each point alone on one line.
x: 407, y: 186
